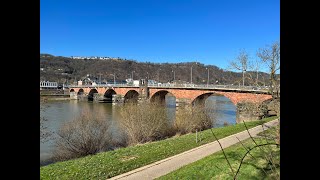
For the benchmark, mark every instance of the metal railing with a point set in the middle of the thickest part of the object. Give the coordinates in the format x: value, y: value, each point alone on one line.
x: 47, y: 84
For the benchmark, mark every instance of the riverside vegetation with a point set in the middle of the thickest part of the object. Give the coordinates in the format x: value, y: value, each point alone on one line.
x: 99, y: 164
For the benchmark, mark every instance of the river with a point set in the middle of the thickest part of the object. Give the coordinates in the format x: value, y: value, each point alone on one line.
x: 59, y: 112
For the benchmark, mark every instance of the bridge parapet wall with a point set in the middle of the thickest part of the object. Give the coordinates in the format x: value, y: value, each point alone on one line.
x: 123, y: 91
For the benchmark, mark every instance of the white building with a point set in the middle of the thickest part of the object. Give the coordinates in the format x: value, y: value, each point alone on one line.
x: 135, y: 82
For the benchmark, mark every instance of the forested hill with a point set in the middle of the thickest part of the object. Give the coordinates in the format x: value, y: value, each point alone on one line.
x: 65, y: 69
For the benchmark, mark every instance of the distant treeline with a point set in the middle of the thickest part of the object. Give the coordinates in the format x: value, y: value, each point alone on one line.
x: 64, y: 69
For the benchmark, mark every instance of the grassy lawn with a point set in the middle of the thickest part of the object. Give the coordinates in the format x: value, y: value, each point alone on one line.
x: 216, y: 167
x: 112, y: 163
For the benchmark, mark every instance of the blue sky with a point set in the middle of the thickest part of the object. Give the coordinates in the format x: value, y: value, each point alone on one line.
x: 206, y: 31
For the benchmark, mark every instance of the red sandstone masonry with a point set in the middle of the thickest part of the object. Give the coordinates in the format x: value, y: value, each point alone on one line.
x: 235, y: 97
x: 191, y: 94
x: 102, y: 90
x: 123, y: 91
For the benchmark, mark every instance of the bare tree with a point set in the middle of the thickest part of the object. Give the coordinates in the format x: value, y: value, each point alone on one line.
x: 241, y: 63
x: 256, y: 64
x: 271, y: 56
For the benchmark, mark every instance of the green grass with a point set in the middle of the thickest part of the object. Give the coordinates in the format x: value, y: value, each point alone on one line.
x: 112, y: 163
x: 215, y: 166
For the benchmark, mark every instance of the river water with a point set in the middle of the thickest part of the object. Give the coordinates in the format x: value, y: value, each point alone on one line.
x: 59, y: 112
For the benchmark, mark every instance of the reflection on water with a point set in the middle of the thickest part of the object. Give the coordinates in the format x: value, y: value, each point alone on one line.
x: 171, y: 107
x: 219, y: 108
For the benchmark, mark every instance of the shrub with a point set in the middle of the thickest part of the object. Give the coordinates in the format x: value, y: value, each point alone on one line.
x: 144, y: 122
x: 190, y: 119
x: 89, y: 134
x: 45, y: 133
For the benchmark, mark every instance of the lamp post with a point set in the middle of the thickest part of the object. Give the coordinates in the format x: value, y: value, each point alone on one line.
x: 174, y: 75
x: 114, y: 78
x: 208, y: 78
x: 191, y: 75
x: 159, y: 76
x: 132, y: 75
x: 191, y: 72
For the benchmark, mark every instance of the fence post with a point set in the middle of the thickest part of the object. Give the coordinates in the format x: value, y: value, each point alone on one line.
x: 196, y: 136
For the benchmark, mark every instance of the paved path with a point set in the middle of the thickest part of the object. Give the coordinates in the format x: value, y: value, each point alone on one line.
x: 170, y: 164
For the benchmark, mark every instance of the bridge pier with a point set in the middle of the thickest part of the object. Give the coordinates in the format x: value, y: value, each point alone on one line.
x: 82, y: 97
x: 98, y: 97
x: 182, y: 102
x: 117, y: 98
x: 73, y: 95
x: 249, y: 111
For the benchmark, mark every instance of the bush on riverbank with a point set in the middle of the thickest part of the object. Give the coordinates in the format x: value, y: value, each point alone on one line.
x: 45, y: 133
x: 192, y: 119
x: 141, y: 123
x: 144, y: 122
x: 89, y: 134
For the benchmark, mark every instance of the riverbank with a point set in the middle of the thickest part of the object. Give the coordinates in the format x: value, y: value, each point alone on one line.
x: 54, y: 94
x: 112, y: 163
x: 215, y: 166
x: 54, y: 97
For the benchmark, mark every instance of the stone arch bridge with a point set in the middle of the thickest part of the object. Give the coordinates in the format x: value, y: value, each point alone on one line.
x: 183, y: 95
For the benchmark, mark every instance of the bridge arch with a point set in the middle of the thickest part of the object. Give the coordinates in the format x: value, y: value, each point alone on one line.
x: 200, y: 99
x: 131, y: 96
x: 108, y: 95
x: 80, y: 92
x: 160, y: 96
x: 91, y: 94
x: 71, y: 90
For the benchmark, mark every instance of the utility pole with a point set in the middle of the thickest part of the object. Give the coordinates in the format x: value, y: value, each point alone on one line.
x: 243, y: 77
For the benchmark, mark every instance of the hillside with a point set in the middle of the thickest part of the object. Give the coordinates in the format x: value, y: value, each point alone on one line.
x: 65, y: 69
